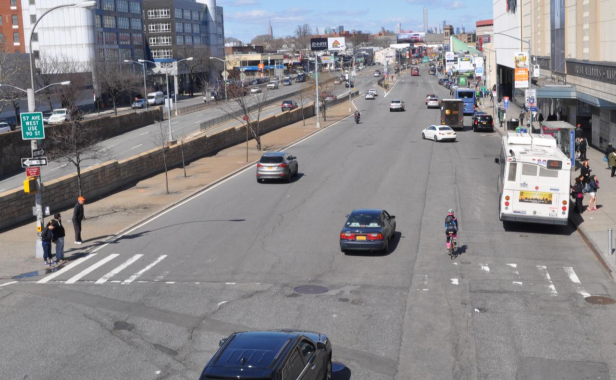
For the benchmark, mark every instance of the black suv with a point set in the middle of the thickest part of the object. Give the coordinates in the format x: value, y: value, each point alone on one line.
x: 483, y: 121
x: 264, y: 355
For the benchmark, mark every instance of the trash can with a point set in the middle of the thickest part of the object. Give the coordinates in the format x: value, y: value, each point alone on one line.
x: 512, y: 124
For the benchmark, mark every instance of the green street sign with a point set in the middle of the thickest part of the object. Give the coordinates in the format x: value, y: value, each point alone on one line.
x: 32, y: 127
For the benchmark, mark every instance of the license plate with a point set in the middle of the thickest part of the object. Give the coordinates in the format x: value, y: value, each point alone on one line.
x: 484, y: 122
x: 449, y: 133
x: 360, y: 238
x: 270, y: 168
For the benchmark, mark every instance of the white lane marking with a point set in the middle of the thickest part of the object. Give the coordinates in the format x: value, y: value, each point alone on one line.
x: 59, y: 167
x: 576, y: 280
x: 392, y: 88
x: 162, y: 275
x: 117, y: 270
x: 221, y: 303
x: 175, y: 122
x: 136, y: 146
x: 116, y: 281
x: 544, y: 270
x: 170, y: 282
x: 91, y: 268
x: 454, y: 281
x: 65, y: 269
x: 114, y: 239
x: 229, y: 283
x: 144, y: 133
x: 517, y: 283
x: 513, y: 265
x: 8, y: 283
x: 485, y: 267
x: 138, y: 274
x: 197, y: 122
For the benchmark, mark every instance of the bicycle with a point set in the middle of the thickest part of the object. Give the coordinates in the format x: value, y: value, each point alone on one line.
x: 451, y: 244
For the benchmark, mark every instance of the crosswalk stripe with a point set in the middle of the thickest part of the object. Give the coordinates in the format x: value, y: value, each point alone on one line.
x: 65, y: 269
x: 91, y: 268
x: 576, y: 280
x: 544, y: 270
x: 138, y: 274
x: 117, y: 270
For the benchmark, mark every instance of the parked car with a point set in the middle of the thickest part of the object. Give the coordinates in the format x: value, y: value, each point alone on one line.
x: 155, y: 98
x: 483, y: 121
x: 337, y: 81
x: 272, y: 85
x: 300, y: 78
x: 271, y: 355
x: 289, y: 105
x: 211, y: 97
x: 368, y: 230
x: 4, y: 127
x: 255, y: 90
x: 287, y: 82
x: 46, y: 116
x: 59, y: 116
x: 277, y: 165
x: 439, y: 133
x: 138, y: 103
x: 396, y: 105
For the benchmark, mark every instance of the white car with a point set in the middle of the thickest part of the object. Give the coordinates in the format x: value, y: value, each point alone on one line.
x: 396, y: 105
x: 255, y: 90
x: 373, y: 92
x: 4, y: 127
x: 433, y: 102
x: 272, y: 85
x: 439, y: 133
x: 369, y: 95
x: 337, y: 81
x: 59, y: 116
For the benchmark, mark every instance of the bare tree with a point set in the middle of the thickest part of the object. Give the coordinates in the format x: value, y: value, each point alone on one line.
x: 246, y: 108
x: 116, y: 80
x: 325, y: 91
x: 54, y: 68
x: 74, y: 143
x: 161, y: 139
x: 13, y: 72
x: 198, y: 68
x: 306, y: 94
x: 303, y: 33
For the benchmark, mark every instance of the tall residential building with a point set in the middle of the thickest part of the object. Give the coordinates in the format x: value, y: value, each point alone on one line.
x: 341, y: 29
x: 463, y: 29
x: 444, y: 24
x: 458, y: 30
x: 425, y: 20
x: 398, y: 27
x: 11, y: 26
x: 270, y: 32
x: 328, y: 30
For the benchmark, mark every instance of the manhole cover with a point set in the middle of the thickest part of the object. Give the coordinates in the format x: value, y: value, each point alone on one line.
x: 600, y: 300
x: 121, y: 325
x: 310, y: 289
x: 337, y: 367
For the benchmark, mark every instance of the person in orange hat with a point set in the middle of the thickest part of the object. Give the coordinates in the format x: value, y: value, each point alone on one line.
x: 78, y: 216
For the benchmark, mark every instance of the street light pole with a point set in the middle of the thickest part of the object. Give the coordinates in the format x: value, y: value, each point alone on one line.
x: 176, y: 81
x: 145, y: 89
x: 316, y: 75
x: 225, y: 70
x: 38, y: 198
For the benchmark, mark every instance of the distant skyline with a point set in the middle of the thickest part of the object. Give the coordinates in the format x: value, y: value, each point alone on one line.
x: 245, y: 19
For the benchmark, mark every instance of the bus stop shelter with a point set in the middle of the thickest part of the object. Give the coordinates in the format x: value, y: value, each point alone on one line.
x: 564, y: 133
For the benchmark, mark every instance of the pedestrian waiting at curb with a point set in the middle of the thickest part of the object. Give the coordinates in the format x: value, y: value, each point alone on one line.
x: 611, y: 160
x: 59, y: 234
x: 593, y: 186
x: 582, y: 148
x: 585, y: 172
x: 577, y: 190
x: 608, y: 150
x: 78, y: 217
x: 47, y: 237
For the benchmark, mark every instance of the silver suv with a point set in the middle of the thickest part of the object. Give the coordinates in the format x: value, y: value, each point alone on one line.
x: 277, y: 165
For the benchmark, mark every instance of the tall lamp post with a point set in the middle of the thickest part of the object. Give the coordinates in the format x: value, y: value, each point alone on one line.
x: 350, y: 82
x: 175, y: 92
x: 145, y: 88
x: 225, y: 70
x: 38, y: 198
x: 170, y: 136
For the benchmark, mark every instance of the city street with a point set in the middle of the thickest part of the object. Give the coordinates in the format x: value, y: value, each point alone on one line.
x: 245, y: 256
x: 143, y: 139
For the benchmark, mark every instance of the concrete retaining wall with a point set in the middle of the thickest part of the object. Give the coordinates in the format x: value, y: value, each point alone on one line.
x: 100, y: 180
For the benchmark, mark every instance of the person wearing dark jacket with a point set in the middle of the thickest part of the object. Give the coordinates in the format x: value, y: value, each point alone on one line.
x: 593, y: 186
x: 609, y: 150
x: 582, y: 148
x: 585, y: 172
x: 78, y: 216
x: 578, y: 194
x: 47, y: 237
x: 59, y: 234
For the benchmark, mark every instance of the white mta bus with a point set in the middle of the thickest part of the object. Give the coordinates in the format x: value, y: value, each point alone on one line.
x: 534, y: 180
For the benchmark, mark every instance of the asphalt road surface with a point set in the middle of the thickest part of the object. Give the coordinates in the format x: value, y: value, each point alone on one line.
x: 154, y: 304
x: 143, y: 139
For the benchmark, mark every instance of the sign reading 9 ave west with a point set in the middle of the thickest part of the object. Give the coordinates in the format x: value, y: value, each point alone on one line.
x: 32, y: 127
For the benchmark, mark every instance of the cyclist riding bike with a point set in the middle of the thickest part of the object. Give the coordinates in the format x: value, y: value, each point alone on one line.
x: 451, y: 227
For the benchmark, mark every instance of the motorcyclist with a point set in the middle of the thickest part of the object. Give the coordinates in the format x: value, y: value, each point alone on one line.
x: 357, y: 116
x: 451, y: 226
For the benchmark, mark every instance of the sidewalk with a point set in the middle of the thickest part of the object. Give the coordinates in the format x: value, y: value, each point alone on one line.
x: 592, y: 225
x: 120, y: 211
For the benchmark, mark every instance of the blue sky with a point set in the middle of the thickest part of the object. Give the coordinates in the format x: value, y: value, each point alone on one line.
x: 245, y: 19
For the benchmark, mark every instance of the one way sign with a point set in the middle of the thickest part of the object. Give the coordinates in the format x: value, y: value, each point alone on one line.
x: 29, y: 162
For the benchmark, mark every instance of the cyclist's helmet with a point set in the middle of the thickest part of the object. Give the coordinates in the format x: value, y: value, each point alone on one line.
x: 450, y: 212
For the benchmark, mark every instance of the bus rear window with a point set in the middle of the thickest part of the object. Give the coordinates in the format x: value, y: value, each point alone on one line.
x: 529, y: 170
x: 512, y: 171
x: 465, y: 94
x: 548, y: 173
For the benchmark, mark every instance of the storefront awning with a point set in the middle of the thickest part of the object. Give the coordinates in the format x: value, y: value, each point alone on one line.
x: 570, y: 92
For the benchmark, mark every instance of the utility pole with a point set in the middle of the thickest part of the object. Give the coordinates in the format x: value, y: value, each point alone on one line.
x: 316, y: 75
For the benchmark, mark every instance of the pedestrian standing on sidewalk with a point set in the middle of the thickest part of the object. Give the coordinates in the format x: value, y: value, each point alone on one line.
x: 585, y: 173
x: 611, y: 160
x: 609, y: 150
x: 583, y: 147
x: 78, y: 217
x: 522, y: 114
x: 593, y: 185
x: 47, y: 237
x: 578, y: 193
x: 59, y: 234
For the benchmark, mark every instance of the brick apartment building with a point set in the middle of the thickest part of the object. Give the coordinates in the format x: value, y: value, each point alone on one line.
x: 11, y: 26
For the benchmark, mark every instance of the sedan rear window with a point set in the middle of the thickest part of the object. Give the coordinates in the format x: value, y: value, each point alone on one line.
x: 271, y: 159
x: 364, y: 220
x: 395, y: 102
x: 445, y: 129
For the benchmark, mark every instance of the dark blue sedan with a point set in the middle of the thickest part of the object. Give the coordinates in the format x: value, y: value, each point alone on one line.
x: 368, y: 230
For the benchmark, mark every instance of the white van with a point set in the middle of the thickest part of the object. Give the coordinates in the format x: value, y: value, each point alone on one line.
x: 156, y: 98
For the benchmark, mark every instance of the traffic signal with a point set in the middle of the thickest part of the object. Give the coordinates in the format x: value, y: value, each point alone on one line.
x: 30, y: 185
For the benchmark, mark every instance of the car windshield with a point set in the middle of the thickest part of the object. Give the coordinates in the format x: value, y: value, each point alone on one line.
x: 364, y: 220
x: 465, y: 94
x: 395, y: 102
x: 287, y: 103
x: 271, y: 159
x: 59, y: 112
x: 447, y: 129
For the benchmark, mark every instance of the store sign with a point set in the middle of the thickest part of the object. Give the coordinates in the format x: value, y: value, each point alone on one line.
x: 318, y: 44
x: 336, y: 43
x: 521, y: 78
x: 521, y: 60
x: 593, y: 71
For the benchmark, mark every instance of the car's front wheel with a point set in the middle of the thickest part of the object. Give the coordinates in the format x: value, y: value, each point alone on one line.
x: 328, y: 371
x: 435, y: 139
x: 423, y: 136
